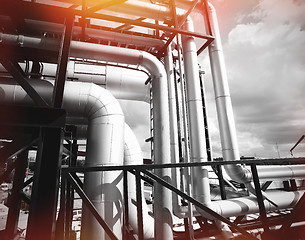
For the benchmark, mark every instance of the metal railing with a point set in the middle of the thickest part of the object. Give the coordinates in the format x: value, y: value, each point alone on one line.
x: 140, y: 171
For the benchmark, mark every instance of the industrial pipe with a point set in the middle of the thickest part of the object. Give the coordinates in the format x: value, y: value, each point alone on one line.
x: 133, y: 156
x: 201, y: 188
x: 162, y: 207
x: 123, y: 83
x: 106, y: 121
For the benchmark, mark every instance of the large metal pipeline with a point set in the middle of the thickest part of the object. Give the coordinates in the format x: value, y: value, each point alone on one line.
x: 133, y: 156
x: 106, y: 121
x: 162, y: 207
x: 201, y: 188
x: 123, y: 83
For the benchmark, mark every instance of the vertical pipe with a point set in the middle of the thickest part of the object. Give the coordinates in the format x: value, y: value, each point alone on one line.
x: 201, y: 189
x: 225, y: 115
x: 162, y: 196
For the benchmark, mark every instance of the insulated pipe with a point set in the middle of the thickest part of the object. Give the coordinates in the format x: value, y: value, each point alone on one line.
x: 162, y: 207
x: 201, y: 188
x: 224, y: 109
x: 133, y: 156
x: 104, y: 145
x: 123, y: 83
x: 168, y: 63
x: 248, y: 205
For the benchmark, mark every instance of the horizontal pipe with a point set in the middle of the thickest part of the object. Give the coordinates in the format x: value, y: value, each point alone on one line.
x: 123, y: 83
x: 248, y: 205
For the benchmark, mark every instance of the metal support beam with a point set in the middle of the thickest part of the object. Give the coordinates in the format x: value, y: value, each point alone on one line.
x: 60, y: 233
x: 221, y: 182
x: 41, y: 221
x: 90, y: 206
x: 126, y: 209
x: 208, y: 27
x: 260, y: 199
x: 126, y: 27
x: 30, y: 117
x: 139, y: 205
x: 62, y: 63
x: 265, y: 185
x: 198, y: 204
x: 105, y: 5
x: 35, y: 10
x: 297, y: 211
x: 177, y: 23
x: 15, y: 198
x: 20, y: 78
x: 23, y: 142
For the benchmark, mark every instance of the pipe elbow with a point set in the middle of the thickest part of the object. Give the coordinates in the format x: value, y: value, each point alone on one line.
x: 153, y: 65
x: 100, y: 103
x: 239, y: 173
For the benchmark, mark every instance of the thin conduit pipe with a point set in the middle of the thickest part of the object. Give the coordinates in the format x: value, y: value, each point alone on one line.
x: 106, y: 121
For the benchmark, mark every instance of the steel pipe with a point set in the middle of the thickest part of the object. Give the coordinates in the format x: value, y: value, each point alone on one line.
x: 162, y: 207
x: 106, y: 121
x: 133, y: 156
x: 201, y: 189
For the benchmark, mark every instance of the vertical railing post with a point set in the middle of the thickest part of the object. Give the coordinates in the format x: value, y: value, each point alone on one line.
x: 15, y: 198
x: 221, y: 183
x: 260, y: 200
x: 126, y: 209
x: 139, y: 205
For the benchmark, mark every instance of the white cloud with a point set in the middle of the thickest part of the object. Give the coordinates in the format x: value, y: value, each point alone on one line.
x: 265, y: 60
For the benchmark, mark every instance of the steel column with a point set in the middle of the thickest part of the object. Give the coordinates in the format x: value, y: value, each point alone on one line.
x: 43, y: 206
x: 126, y: 215
x: 15, y: 198
x: 139, y: 205
x: 62, y: 63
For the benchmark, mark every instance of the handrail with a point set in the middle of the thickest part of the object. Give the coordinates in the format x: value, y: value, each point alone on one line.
x: 282, y: 161
x: 138, y: 169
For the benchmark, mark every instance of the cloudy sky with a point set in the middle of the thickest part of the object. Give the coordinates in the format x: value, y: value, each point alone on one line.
x: 264, y: 48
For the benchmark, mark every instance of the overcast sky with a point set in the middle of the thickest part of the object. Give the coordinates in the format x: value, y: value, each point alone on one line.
x: 264, y: 48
